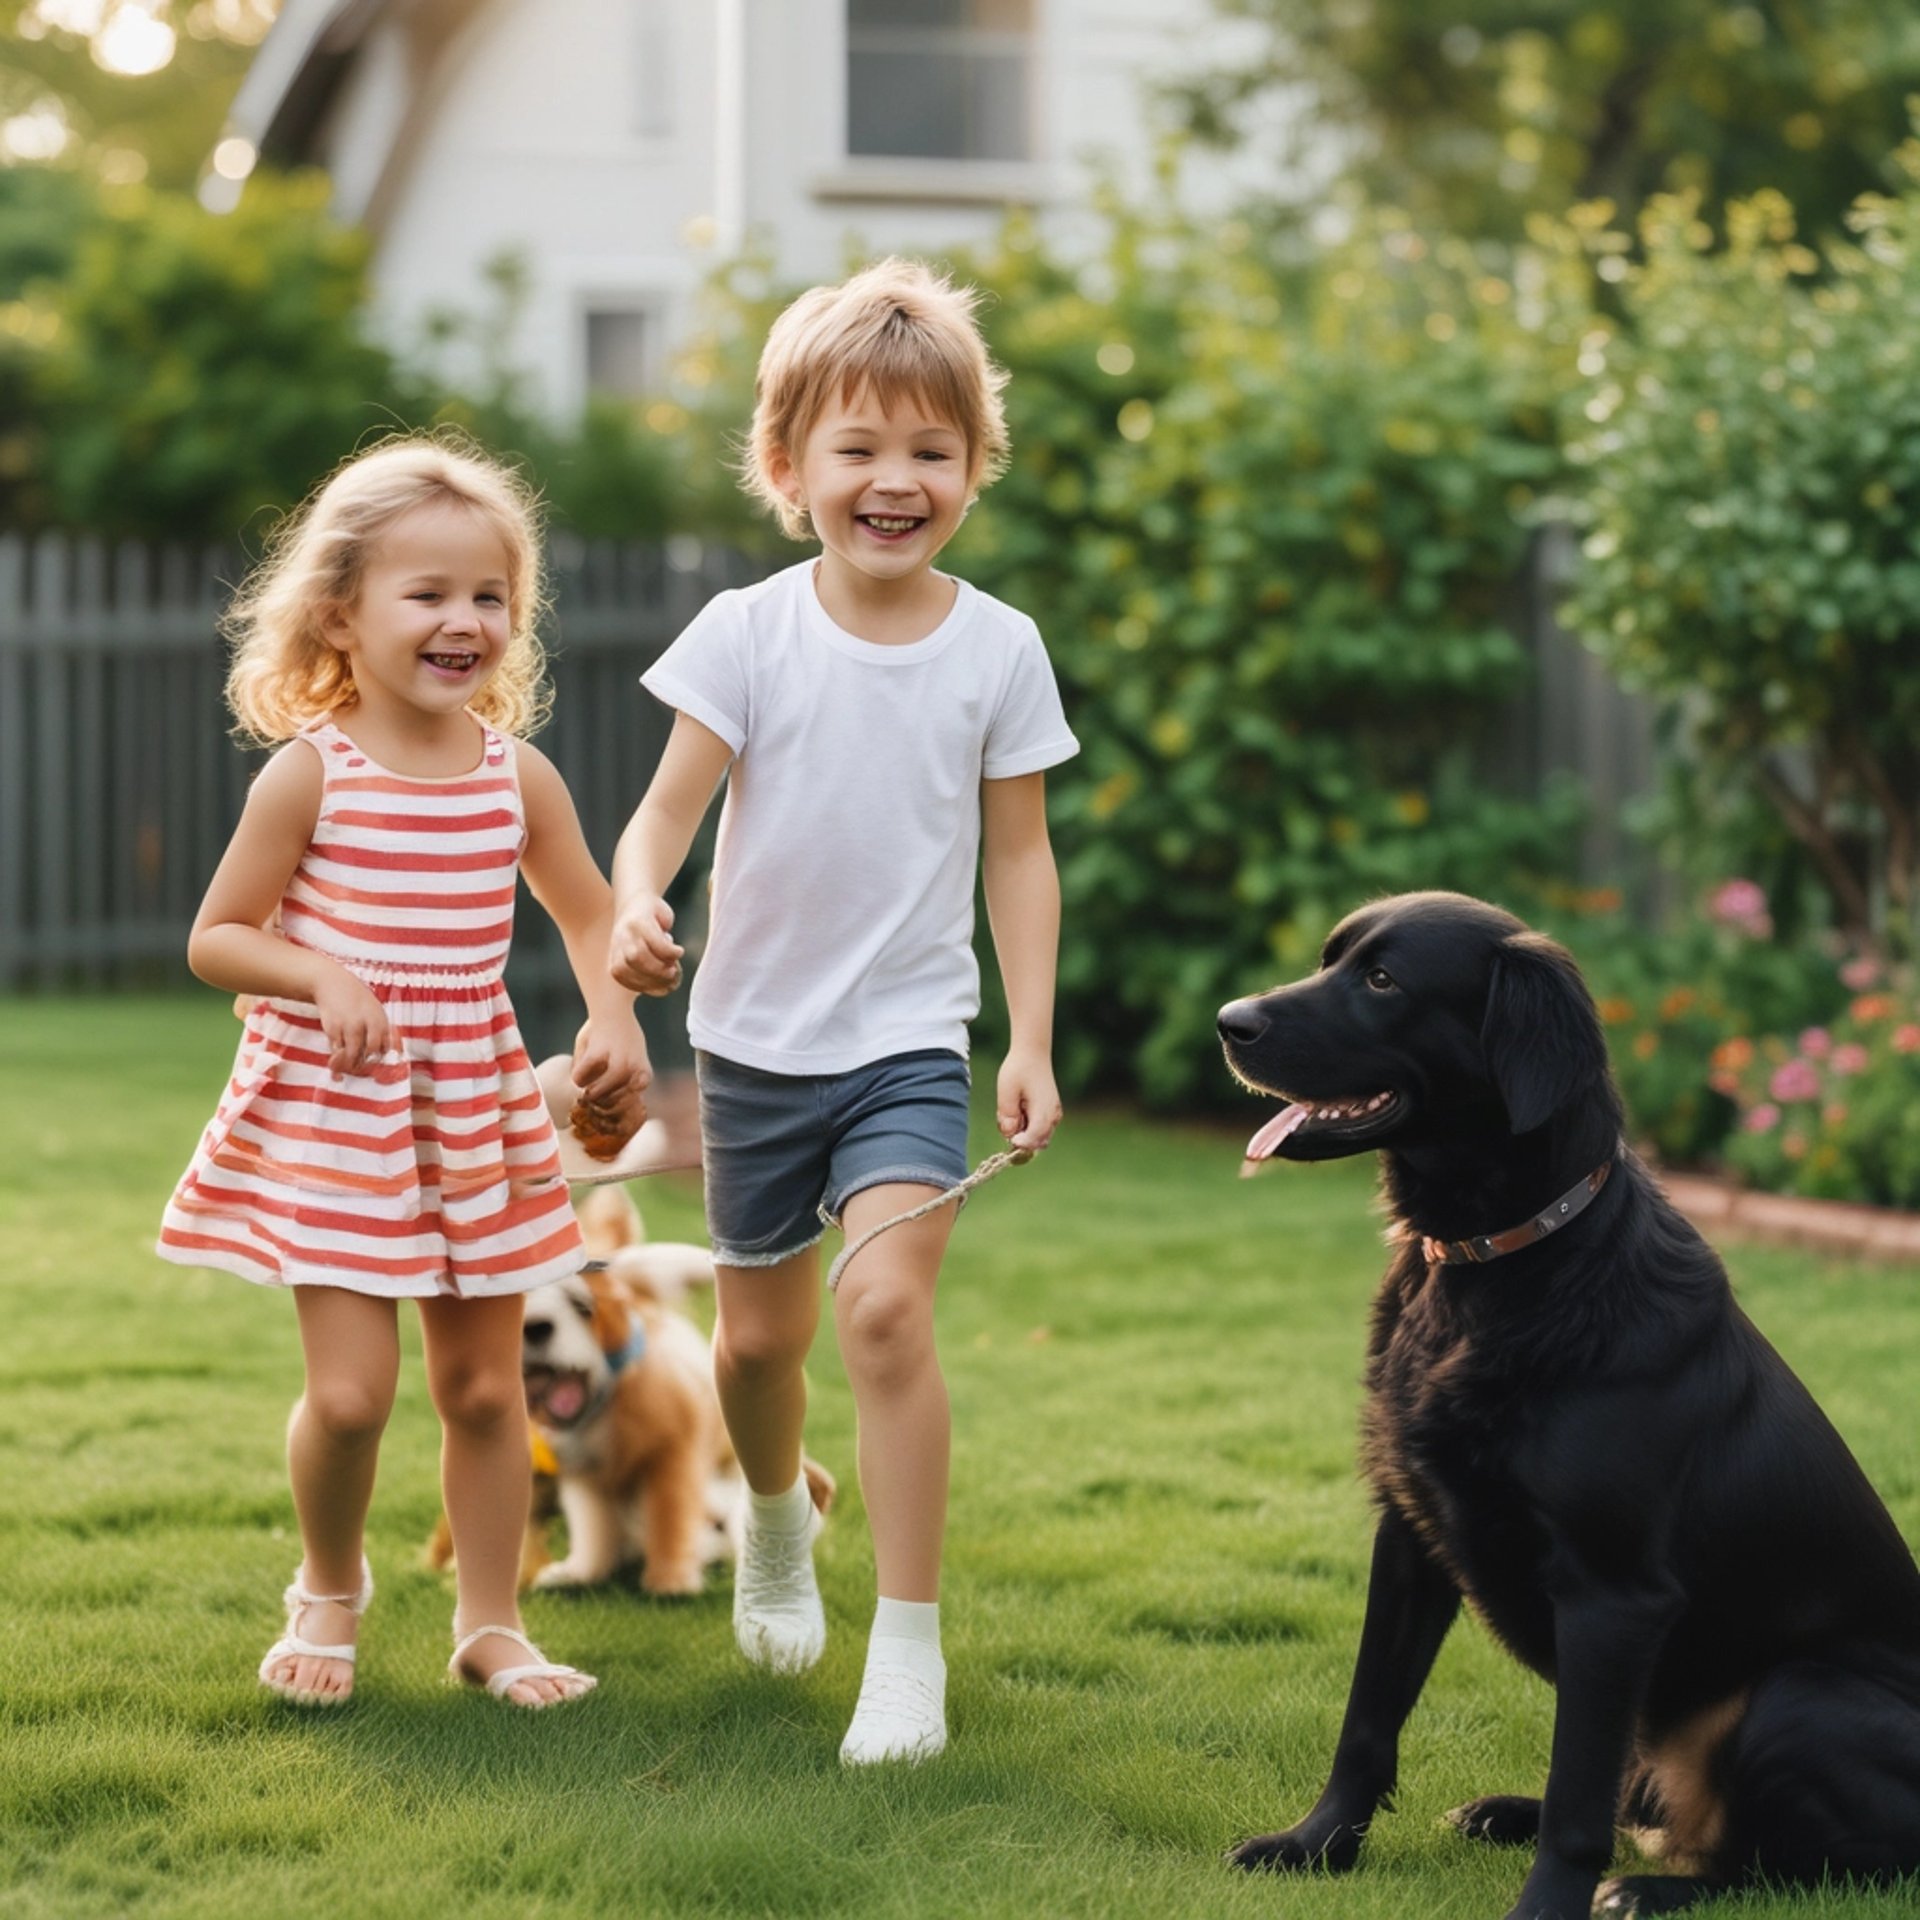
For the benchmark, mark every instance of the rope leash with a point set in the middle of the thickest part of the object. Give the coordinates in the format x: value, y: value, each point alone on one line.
x: 994, y: 1163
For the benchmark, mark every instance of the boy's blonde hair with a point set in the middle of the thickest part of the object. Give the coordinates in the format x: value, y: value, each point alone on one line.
x: 285, y: 674
x: 903, y: 331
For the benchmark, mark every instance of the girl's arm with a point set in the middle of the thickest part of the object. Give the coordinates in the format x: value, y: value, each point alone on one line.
x: 644, y: 955
x: 1023, y: 907
x: 610, y: 1056
x: 230, y: 946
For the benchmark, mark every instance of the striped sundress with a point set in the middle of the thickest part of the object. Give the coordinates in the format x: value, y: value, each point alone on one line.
x: 437, y: 1172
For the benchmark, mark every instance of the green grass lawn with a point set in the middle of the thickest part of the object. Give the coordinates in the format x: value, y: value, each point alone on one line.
x: 1154, y: 1580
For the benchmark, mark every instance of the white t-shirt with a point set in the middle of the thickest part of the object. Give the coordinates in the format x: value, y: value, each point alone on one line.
x: 843, y: 882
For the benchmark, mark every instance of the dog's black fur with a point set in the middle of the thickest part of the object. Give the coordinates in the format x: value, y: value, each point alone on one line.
x: 1591, y: 1443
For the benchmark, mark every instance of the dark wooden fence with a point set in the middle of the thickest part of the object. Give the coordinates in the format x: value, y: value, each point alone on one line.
x: 119, y: 788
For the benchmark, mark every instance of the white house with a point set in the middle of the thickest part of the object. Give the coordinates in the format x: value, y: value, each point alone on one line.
x: 621, y: 147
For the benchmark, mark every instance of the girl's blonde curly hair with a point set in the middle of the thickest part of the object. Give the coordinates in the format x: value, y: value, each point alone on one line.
x: 285, y: 673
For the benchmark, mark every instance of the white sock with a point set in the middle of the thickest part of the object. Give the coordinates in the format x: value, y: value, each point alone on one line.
x: 777, y: 1617
x: 902, y: 1713
x: 781, y: 1512
x: 907, y: 1620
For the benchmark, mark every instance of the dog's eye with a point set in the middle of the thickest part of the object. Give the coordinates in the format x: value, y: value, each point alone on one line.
x: 584, y: 1308
x: 1380, y: 980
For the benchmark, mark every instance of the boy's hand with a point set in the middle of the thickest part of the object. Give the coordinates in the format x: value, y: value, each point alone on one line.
x: 353, y: 1020
x: 643, y: 956
x: 1026, y: 1101
x: 610, y: 1064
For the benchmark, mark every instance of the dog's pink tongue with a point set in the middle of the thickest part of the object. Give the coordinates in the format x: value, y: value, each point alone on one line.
x: 565, y: 1398
x: 1266, y: 1143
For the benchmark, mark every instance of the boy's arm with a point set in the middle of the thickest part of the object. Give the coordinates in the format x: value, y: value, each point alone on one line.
x: 643, y: 955
x: 1023, y: 907
x: 610, y: 1056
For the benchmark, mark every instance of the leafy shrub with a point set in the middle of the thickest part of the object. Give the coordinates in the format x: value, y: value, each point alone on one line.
x: 1833, y: 1112
x: 1751, y: 447
x: 1671, y: 1001
x: 1269, y: 522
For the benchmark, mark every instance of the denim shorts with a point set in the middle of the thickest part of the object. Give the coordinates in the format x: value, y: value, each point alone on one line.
x: 785, y: 1152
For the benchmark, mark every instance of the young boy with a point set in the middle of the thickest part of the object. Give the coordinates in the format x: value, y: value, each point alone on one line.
x: 881, y: 723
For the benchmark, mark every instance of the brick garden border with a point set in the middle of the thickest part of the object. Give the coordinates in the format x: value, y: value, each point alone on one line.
x: 1717, y: 1208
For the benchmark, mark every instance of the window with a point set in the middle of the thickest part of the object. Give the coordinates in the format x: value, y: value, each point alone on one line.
x: 940, y: 79
x: 620, y: 344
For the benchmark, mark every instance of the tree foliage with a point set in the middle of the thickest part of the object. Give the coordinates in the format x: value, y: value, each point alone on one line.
x: 193, y: 369
x: 158, y: 127
x: 1477, y: 114
x: 1751, y: 453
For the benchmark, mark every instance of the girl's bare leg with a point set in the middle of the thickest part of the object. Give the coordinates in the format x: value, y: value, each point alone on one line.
x: 352, y: 1346
x: 486, y: 1474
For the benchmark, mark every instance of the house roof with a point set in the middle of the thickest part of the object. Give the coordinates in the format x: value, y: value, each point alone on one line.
x: 293, y: 76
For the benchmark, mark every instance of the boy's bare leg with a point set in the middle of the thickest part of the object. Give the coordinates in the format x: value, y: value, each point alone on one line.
x: 764, y: 1328
x: 883, y: 1311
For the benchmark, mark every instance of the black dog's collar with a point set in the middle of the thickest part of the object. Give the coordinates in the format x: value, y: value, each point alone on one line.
x: 1490, y: 1246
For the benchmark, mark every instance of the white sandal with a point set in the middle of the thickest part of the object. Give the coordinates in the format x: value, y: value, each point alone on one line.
x: 292, y: 1645
x: 538, y: 1668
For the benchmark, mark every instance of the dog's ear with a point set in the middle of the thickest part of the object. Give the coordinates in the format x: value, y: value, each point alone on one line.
x: 1541, y: 1035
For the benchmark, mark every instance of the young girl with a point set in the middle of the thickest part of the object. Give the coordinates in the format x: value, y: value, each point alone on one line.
x: 883, y: 724
x: 383, y: 1137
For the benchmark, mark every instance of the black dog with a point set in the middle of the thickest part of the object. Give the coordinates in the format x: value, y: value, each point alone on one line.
x: 1571, y: 1425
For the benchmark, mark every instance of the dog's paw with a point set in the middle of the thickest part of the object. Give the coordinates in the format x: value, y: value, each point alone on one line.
x: 1643, y: 1893
x: 563, y: 1573
x: 1498, y: 1820
x: 672, y: 1582
x: 1333, y: 1852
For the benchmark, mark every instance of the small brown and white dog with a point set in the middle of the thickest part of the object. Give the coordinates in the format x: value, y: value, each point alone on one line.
x: 628, y: 1441
x: 620, y: 1387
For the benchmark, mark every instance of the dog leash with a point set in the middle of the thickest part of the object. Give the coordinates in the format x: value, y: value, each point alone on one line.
x: 994, y: 1163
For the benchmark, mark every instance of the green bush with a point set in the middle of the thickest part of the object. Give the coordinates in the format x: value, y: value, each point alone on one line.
x: 1834, y: 1111
x: 1270, y: 524
x: 1751, y: 453
x: 1673, y: 1002
x: 170, y: 373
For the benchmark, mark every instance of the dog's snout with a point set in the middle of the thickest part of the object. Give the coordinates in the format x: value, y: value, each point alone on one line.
x: 1242, y: 1021
x: 537, y: 1332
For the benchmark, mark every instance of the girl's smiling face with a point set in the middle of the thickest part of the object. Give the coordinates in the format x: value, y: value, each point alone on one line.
x: 432, y: 622
x: 885, y: 490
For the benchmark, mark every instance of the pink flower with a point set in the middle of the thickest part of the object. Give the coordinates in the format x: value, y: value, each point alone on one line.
x: 1906, y: 1039
x: 1816, y: 1043
x: 1738, y: 903
x: 1797, y: 1080
x: 1851, y: 1058
x: 1858, y: 975
x: 1763, y: 1119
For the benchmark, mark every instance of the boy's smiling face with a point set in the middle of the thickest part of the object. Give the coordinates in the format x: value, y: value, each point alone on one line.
x: 885, y: 489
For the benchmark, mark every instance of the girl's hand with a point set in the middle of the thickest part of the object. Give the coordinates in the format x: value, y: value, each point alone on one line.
x: 610, y: 1064
x: 1026, y: 1101
x: 353, y: 1020
x: 643, y: 955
